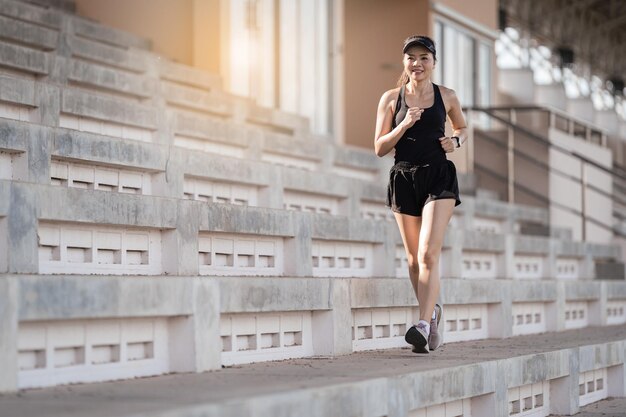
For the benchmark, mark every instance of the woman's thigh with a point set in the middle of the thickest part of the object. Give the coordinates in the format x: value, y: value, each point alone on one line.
x: 410, y: 231
x: 435, y: 218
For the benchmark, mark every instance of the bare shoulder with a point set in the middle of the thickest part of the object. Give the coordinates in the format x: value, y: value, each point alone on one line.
x: 450, y: 99
x: 389, y: 97
x: 448, y: 94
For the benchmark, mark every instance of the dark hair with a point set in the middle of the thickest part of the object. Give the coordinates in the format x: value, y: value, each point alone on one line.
x: 421, y: 40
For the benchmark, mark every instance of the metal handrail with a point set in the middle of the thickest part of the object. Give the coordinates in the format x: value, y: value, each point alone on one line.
x: 588, y: 126
x: 538, y: 138
x: 523, y: 155
x: 512, y: 184
x: 546, y: 200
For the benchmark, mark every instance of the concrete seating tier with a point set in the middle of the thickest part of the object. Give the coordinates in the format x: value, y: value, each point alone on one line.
x: 151, y: 223
x: 541, y: 375
x: 28, y: 20
x: 74, y: 159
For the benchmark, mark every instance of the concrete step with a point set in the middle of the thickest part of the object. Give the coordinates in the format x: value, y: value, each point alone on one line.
x: 611, y: 407
x: 66, y: 5
x: 51, y: 14
x: 48, y: 17
x: 93, y: 30
x: 490, y: 377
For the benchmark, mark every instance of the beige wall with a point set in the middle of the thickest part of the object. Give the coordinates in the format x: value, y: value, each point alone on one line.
x: 374, y: 31
x: 206, y: 35
x: 168, y: 24
x: 483, y: 11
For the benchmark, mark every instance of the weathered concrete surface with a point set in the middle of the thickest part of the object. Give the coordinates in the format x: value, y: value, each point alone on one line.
x: 611, y: 407
x: 393, y: 379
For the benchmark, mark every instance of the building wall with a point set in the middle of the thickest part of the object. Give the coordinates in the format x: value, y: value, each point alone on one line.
x: 484, y: 12
x: 169, y: 25
x: 374, y: 31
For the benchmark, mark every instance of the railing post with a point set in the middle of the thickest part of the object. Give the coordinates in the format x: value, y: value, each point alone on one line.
x: 583, y: 189
x: 511, y: 157
x: 470, y: 143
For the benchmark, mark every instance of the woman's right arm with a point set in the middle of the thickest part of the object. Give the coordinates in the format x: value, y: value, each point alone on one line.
x: 386, y: 138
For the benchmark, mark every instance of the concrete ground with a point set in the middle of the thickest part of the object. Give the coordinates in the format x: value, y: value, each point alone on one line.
x: 148, y: 395
x: 612, y: 407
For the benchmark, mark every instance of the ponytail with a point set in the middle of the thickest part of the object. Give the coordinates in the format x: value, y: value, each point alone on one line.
x: 403, y: 80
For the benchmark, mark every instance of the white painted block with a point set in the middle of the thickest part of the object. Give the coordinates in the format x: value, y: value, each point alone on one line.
x: 532, y: 400
x: 69, y: 121
x: 73, y: 351
x: 290, y: 161
x: 68, y: 248
x: 528, y: 267
x: 248, y: 338
x: 480, y: 265
x: 592, y: 386
x: 6, y: 166
x: 310, y: 202
x: 59, y: 171
x: 82, y: 174
x: 567, y: 268
x: 381, y: 328
x: 113, y: 130
x: 105, y: 177
x: 221, y: 192
x: 206, y: 145
x: 15, y: 112
x: 488, y: 225
x: 576, y: 314
x: 350, y: 172
x: 402, y: 263
x: 529, y: 318
x: 100, y: 178
x: 615, y: 312
x: 230, y: 254
x: 375, y: 211
x: 89, y: 125
x: 465, y: 322
x: 455, y: 408
x: 331, y: 259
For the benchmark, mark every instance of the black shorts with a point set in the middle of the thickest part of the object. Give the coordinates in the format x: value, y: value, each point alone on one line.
x: 412, y: 186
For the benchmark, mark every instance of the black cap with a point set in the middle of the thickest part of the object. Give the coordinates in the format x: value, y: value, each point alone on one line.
x: 424, y: 41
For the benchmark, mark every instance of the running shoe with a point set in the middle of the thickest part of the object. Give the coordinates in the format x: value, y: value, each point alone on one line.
x: 435, y: 338
x: 418, y: 337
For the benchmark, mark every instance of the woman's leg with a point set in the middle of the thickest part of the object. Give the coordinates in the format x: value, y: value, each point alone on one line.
x: 435, y: 217
x: 410, y: 230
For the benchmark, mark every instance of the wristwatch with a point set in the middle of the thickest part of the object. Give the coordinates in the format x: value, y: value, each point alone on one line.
x: 457, y: 140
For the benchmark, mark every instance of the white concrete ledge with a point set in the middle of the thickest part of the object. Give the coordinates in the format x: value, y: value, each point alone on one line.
x: 188, y: 97
x: 80, y: 103
x: 78, y: 297
x: 186, y: 75
x: 17, y: 90
x: 108, y: 55
x: 25, y: 59
x: 28, y: 34
x: 101, y: 33
x: 108, y: 78
x: 24, y: 11
x: 257, y: 295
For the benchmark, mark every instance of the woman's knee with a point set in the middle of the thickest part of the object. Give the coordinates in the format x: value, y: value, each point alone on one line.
x: 429, y: 256
x: 414, y: 265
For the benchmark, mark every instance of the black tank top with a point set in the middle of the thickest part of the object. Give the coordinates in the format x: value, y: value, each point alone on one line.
x: 420, y: 143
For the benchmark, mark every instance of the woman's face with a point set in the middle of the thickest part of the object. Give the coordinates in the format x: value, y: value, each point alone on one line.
x: 418, y: 63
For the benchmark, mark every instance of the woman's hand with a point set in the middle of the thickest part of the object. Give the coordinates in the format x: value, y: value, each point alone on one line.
x: 447, y: 143
x: 413, y: 114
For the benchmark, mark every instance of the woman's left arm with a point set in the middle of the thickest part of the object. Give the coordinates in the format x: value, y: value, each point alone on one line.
x: 457, y: 120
